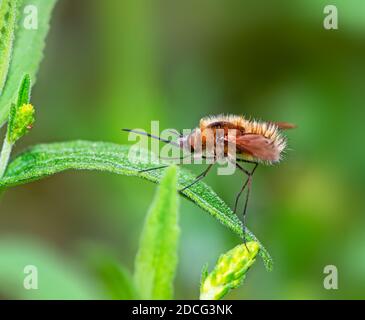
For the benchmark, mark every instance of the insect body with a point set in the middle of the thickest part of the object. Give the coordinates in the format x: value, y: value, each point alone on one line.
x: 254, y: 141
x: 244, y: 141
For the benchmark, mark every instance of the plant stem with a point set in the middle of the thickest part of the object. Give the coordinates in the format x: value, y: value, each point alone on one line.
x: 5, y: 154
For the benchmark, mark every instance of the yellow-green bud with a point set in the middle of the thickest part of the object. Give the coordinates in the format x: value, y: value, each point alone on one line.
x: 229, y: 272
x: 22, y: 122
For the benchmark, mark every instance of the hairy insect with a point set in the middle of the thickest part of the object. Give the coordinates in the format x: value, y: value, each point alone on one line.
x: 243, y: 141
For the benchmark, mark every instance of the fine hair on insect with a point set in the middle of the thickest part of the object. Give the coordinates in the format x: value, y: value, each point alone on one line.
x: 235, y: 139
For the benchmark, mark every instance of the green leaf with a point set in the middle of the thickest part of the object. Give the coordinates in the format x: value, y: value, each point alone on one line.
x: 156, y: 260
x: 46, y: 159
x: 27, y: 53
x: 24, y: 91
x: 8, y: 19
x: 204, y: 273
x: 57, y: 277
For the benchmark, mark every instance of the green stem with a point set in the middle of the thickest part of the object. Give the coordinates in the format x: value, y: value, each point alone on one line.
x: 5, y: 155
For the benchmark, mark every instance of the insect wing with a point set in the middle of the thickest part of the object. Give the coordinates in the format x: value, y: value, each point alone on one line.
x: 258, y: 146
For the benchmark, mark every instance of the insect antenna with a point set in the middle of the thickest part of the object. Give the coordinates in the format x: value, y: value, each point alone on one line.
x: 152, y: 136
x: 176, y: 133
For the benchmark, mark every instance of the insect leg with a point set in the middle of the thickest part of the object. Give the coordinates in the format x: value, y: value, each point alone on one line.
x: 249, y: 182
x: 243, y: 187
x: 183, y: 158
x: 201, y: 176
x: 154, y: 168
x: 175, y: 158
x: 248, y: 185
x: 246, y: 161
x: 198, y: 178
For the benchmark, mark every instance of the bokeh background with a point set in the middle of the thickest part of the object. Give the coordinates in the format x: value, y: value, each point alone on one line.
x: 113, y: 64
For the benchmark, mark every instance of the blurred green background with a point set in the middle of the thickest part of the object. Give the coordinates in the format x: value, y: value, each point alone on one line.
x: 114, y: 64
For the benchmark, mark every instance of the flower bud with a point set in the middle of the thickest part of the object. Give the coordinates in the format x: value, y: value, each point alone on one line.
x: 229, y: 272
x: 22, y: 122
